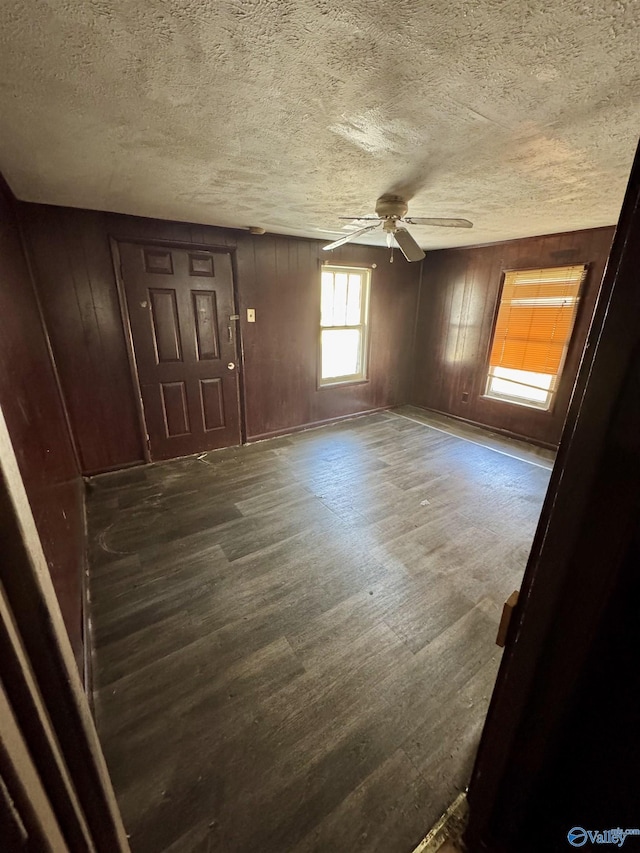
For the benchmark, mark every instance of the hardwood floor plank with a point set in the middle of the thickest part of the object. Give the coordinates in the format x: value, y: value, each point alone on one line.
x: 443, y: 746
x: 294, y: 640
x: 395, y: 790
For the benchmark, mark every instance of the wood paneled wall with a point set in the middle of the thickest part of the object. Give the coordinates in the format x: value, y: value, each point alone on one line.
x: 557, y: 745
x: 278, y: 276
x: 73, y: 270
x: 458, y: 303
x: 33, y: 409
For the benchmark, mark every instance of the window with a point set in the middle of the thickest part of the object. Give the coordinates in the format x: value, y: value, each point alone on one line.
x: 535, y: 320
x: 344, y: 305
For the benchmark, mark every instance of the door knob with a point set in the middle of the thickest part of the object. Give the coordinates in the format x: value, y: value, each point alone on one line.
x: 231, y: 365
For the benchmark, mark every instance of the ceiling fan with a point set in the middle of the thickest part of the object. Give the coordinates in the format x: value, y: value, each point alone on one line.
x: 391, y: 210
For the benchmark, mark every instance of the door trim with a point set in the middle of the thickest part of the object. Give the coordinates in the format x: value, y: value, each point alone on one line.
x: 41, y: 679
x: 114, y: 243
x: 131, y: 353
x: 30, y: 806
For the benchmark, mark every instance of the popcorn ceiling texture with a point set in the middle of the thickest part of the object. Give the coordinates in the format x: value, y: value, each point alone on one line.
x: 521, y: 115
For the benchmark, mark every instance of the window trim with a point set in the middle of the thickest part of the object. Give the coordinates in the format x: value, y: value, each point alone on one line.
x: 361, y: 378
x: 555, y: 385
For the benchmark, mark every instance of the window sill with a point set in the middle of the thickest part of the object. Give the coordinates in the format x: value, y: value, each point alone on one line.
x: 339, y: 383
x: 522, y: 403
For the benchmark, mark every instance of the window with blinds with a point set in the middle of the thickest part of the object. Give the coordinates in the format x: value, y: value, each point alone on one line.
x: 532, y: 332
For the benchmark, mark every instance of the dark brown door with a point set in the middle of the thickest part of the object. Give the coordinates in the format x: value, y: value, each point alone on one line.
x: 180, y: 304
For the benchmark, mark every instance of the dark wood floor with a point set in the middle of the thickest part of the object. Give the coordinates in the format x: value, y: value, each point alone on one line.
x: 294, y: 641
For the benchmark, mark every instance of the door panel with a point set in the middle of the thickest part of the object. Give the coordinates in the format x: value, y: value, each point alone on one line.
x: 164, y: 325
x: 176, y: 415
x: 180, y: 303
x: 206, y: 313
x: 212, y: 403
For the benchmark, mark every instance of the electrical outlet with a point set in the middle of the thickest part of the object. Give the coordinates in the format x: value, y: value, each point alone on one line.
x: 251, y: 315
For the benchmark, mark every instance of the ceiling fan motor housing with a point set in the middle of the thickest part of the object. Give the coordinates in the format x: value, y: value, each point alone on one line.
x: 391, y: 207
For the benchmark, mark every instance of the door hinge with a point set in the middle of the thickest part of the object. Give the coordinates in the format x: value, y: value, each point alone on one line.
x: 505, y: 619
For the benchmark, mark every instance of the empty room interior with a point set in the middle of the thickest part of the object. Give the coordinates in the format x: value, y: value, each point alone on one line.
x: 293, y: 301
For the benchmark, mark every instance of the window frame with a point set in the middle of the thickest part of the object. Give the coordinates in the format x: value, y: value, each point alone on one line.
x: 552, y: 394
x: 362, y: 377
x: 546, y: 406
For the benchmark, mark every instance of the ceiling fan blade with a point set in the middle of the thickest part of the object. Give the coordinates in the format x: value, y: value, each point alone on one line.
x: 408, y: 245
x: 442, y: 223
x: 349, y: 237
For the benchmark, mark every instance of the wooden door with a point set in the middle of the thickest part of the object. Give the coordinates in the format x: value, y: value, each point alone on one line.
x: 180, y: 305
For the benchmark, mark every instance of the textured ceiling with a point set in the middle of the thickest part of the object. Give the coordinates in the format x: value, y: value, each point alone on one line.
x: 519, y: 115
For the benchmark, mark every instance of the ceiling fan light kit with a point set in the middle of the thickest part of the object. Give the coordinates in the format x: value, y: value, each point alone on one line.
x: 391, y: 210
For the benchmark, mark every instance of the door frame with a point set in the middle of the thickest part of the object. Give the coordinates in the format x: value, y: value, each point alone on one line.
x: 50, y: 754
x: 114, y: 244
